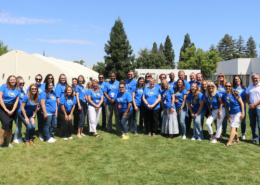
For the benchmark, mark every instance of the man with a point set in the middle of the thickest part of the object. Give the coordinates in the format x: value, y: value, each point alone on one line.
x: 110, y: 92
x: 192, y: 78
x: 181, y: 75
x: 199, y: 78
x: 253, y: 100
x: 101, y: 85
x: 172, y: 82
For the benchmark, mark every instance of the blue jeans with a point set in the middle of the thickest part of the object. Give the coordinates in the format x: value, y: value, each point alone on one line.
x: 50, y: 124
x: 40, y: 122
x: 30, y: 128
x: 18, y: 129
x: 254, y: 116
x: 181, y: 120
x: 122, y: 121
x: 197, y: 127
x: 141, y: 119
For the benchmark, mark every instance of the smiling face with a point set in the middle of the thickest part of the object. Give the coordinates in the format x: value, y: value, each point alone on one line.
x: 165, y: 85
x: 255, y: 79
x: 21, y: 84
x: 141, y: 82
x: 80, y: 80
x: 50, y: 79
x: 228, y: 87
x: 181, y: 75
x: 180, y: 84
x: 162, y: 77
x: 199, y: 78
x: 69, y: 91
x: 122, y: 88
x: 95, y: 85
x: 192, y: 77
x: 50, y: 87
x: 74, y: 82
x: 204, y: 85
x: 148, y: 78
x: 130, y: 75
x: 152, y: 84
x: 113, y: 77
x: 63, y: 79
x: 101, y: 78
x: 210, y: 88
x: 193, y: 88
x: 221, y: 77
x: 172, y: 76
x: 34, y: 90
x: 12, y: 81
x: 38, y: 80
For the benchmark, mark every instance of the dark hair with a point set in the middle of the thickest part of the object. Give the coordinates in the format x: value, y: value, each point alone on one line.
x: 235, y: 93
x: 137, y: 84
x: 83, y: 79
x: 66, y: 84
x: 66, y: 94
x: 177, y: 87
x: 241, y: 82
x: 46, y: 89
x: 32, y: 97
x: 100, y: 74
x: 122, y: 82
x: 8, y: 83
x: 46, y: 79
x: 113, y: 73
x: 39, y: 75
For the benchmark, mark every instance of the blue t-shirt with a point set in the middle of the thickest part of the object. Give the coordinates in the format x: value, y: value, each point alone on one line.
x: 192, y: 82
x: 179, y: 97
x: 102, y: 87
x: 187, y: 85
x: 29, y: 107
x: 68, y: 103
x: 151, y: 95
x: 41, y: 88
x: 213, y: 101
x: 167, y: 98
x: 122, y: 101
x: 241, y: 92
x: 138, y: 96
x: 50, y: 102
x: 232, y: 103
x: 147, y: 84
x: 21, y: 96
x: 221, y: 90
x: 112, y: 89
x: 9, y: 95
x: 199, y: 84
x: 44, y: 84
x: 129, y: 84
x: 95, y: 96
x: 60, y: 90
x: 195, y: 103
x: 82, y: 92
x: 172, y: 84
x: 205, y: 107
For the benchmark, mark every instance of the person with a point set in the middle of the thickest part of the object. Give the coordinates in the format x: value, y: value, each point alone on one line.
x: 199, y: 77
x: 89, y: 85
x: 101, y: 84
x: 49, y: 79
x: 172, y: 82
x: 110, y: 92
x: 162, y: 77
x: 65, y: 111
x: 74, y: 84
x: 181, y: 107
x: 151, y: 98
x: 80, y: 109
x: 137, y: 93
x: 181, y: 75
x: 49, y: 111
x: 124, y: 108
x: 253, y: 100
x: 18, y: 129
x: 38, y: 80
x: 192, y: 78
x: 203, y: 90
x: 28, y: 111
x: 95, y: 100
x: 216, y: 111
x: 160, y: 115
x: 148, y: 77
x: 241, y: 89
x: 196, y: 107
x: 9, y: 98
x: 169, y: 120
x: 75, y: 120
x: 234, y: 109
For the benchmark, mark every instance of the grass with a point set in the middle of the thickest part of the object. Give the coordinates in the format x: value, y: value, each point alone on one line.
x: 139, y: 160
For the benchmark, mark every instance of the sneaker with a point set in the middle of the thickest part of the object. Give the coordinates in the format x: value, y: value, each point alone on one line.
x: 193, y: 139
x: 199, y: 139
x: 10, y: 145
x: 54, y: 139
x: 125, y: 137
x: 243, y: 138
x: 65, y: 138
x: 20, y: 140
x: 183, y: 137
x: 70, y: 137
x: 179, y: 136
x: 41, y: 138
x: 212, y: 138
x: 214, y: 141
x: 16, y: 141
x: 122, y: 135
x: 51, y: 140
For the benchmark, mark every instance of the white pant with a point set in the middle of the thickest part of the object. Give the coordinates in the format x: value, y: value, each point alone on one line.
x: 93, y: 118
x: 214, y: 116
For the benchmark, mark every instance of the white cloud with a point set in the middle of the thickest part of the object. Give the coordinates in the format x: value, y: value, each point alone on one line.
x: 96, y: 27
x: 7, y: 19
x: 66, y: 41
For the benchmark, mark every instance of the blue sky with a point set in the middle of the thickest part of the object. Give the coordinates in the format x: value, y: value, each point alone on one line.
x: 75, y: 30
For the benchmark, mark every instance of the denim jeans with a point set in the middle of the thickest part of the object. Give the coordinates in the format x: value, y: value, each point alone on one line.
x: 197, y: 127
x: 140, y: 109
x: 122, y: 121
x: 40, y: 122
x: 18, y: 129
x: 254, y: 116
x: 30, y: 128
x: 181, y: 120
x: 50, y: 124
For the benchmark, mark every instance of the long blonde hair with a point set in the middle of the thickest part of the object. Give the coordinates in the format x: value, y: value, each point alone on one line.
x: 214, y: 91
x: 196, y: 92
x: 218, y: 81
x: 165, y: 82
x: 94, y: 81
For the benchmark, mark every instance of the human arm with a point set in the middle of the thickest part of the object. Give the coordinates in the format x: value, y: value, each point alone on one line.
x: 129, y: 105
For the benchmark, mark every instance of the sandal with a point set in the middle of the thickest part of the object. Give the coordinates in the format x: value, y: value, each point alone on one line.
x: 227, y: 145
x: 154, y: 135
x: 31, y: 142
x: 237, y: 141
x: 97, y: 136
x: 27, y: 143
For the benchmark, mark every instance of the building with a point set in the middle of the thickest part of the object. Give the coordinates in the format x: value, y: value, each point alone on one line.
x: 156, y: 73
x: 244, y: 67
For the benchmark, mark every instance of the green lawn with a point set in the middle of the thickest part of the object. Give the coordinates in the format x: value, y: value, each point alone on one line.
x: 139, y: 160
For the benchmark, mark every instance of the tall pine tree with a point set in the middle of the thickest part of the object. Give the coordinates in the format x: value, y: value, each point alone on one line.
x: 161, y: 49
x: 169, y: 52
x: 119, y: 58
x: 240, y: 47
x: 226, y: 47
x: 155, y: 48
x: 187, y: 43
x: 251, y: 51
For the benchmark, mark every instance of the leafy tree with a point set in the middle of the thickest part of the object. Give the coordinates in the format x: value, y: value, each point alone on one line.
x: 155, y: 48
x: 81, y: 62
x: 226, y: 47
x: 251, y: 51
x: 187, y: 43
x: 212, y: 48
x: 160, y: 49
x: 169, y: 52
x: 100, y: 67
x: 240, y: 48
x: 3, y: 49
x: 119, y: 58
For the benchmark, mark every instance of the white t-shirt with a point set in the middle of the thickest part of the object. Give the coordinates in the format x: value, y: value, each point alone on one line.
x: 254, y: 94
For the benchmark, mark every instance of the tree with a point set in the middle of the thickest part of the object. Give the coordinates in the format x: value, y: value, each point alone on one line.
x: 155, y: 48
x: 100, y: 67
x: 251, y: 51
x: 186, y: 43
x: 169, y: 52
x: 3, y: 49
x: 160, y: 49
x: 81, y: 62
x: 226, y: 47
x: 212, y: 48
x: 240, y: 48
x: 119, y: 58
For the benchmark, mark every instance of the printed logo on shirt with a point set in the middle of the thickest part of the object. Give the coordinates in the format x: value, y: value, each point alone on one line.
x: 69, y: 102
x: 11, y: 94
x: 112, y: 87
x: 40, y: 90
x: 119, y: 99
x: 83, y: 90
x: 22, y: 95
x: 239, y: 91
x: 150, y: 94
x: 210, y: 98
x: 140, y: 91
x: 53, y: 97
x: 97, y: 94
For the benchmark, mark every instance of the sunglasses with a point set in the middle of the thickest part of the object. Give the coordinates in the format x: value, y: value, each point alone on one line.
x: 50, y: 78
x: 220, y: 76
x: 101, y: 77
x: 121, y: 87
x: 33, y: 89
x: 210, y: 86
x: 228, y: 86
x: 21, y: 83
x: 38, y: 79
x: 147, y: 76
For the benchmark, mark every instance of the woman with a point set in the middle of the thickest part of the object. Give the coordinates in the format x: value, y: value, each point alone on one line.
x: 28, y: 111
x: 203, y: 90
x: 196, y: 105
x: 81, y: 105
x: 241, y: 89
x: 75, y: 121
x: 74, y: 83
x: 216, y: 111
x: 180, y: 104
x: 89, y: 85
x: 169, y: 120
x: 65, y: 112
x: 18, y: 129
x: 151, y: 98
x: 235, y: 113
x: 137, y: 93
x: 49, y: 111
x: 49, y: 79
x: 148, y: 77
x: 123, y: 108
x: 95, y: 100
x: 9, y: 98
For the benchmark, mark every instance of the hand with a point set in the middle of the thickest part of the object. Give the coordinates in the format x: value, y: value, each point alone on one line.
x: 117, y: 113
x: 230, y: 120
x: 45, y: 115
x: 136, y: 108
x: 66, y: 117
x: 171, y: 110
x: 69, y: 117
x: 242, y: 116
x: 112, y: 101
x: 96, y: 108
x: 32, y: 121
x: 165, y: 112
x: 56, y: 114
x: 38, y: 108
x: 79, y: 107
x: 179, y: 112
x: 219, y: 115
x: 150, y: 106
x: 125, y: 114
x: 210, y: 114
x: 9, y: 113
x: 191, y: 105
x: 27, y: 121
x: 252, y: 106
x: 195, y: 115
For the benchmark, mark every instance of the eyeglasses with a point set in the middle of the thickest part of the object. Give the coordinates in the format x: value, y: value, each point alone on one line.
x: 220, y: 76
x: 38, y: 79
x: 147, y: 76
x: 33, y: 89
x: 21, y: 83
x: 227, y: 85
x: 129, y: 74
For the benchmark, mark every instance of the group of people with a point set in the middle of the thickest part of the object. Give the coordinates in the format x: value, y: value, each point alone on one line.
x: 171, y: 105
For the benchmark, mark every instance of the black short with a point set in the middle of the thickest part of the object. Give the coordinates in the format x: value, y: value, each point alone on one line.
x: 7, y: 121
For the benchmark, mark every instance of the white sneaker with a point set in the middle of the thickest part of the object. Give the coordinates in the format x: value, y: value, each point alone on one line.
x: 212, y: 138
x: 70, y: 137
x: 54, y: 139
x: 21, y: 140
x: 51, y: 140
x: 243, y: 138
x: 183, y: 137
x: 193, y: 139
x: 214, y: 141
x: 179, y: 136
x: 65, y: 138
x: 199, y: 139
x: 16, y: 141
x: 41, y: 138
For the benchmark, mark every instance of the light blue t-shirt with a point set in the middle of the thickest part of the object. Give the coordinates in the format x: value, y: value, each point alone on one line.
x: 50, y: 102
x: 95, y: 96
x: 102, y: 87
x: 232, y: 103
x: 129, y: 84
x: 151, y: 95
x: 68, y: 103
x: 82, y: 92
x: 199, y: 84
x: 179, y: 97
x: 195, y: 103
x: 138, y: 96
x: 167, y: 98
x: 213, y: 101
x: 60, y: 90
x: 122, y: 101
x: 9, y: 95
x: 21, y: 96
x: 112, y: 88
x: 29, y: 107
